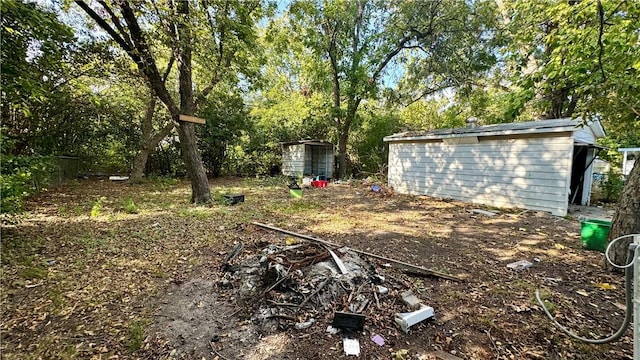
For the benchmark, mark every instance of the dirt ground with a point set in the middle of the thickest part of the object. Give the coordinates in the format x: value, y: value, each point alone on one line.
x: 96, y: 269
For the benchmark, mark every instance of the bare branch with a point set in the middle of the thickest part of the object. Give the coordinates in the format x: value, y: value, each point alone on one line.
x: 116, y: 22
x: 105, y: 26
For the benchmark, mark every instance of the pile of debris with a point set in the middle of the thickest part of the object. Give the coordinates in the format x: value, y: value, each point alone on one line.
x: 298, y: 284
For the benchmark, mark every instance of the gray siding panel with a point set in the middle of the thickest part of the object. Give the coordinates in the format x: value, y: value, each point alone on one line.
x: 531, y: 173
x: 293, y: 160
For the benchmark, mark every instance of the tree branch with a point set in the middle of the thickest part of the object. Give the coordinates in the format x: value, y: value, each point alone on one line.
x: 105, y: 26
x: 116, y: 22
x: 600, y: 33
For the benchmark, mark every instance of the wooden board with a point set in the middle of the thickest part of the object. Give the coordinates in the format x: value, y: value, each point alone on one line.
x: 192, y: 119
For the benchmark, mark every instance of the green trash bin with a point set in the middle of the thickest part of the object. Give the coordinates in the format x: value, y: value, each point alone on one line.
x: 594, y: 234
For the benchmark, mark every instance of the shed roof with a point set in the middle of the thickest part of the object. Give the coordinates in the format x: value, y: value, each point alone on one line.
x: 307, y: 142
x: 529, y: 127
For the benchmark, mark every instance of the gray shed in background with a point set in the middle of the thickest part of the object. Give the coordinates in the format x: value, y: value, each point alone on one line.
x: 539, y: 165
x: 307, y: 158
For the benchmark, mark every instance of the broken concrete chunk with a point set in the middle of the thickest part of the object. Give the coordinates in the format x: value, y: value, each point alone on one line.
x: 351, y: 346
x: 306, y: 324
x: 410, y: 299
x: 520, y: 265
x: 407, y: 320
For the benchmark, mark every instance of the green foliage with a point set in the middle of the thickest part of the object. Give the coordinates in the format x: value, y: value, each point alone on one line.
x: 612, y: 187
x: 22, y: 176
x: 368, y: 153
x: 136, y: 334
x: 97, y: 206
x: 130, y: 206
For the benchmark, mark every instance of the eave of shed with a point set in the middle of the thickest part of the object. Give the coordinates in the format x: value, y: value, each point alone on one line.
x: 529, y: 127
x: 307, y: 142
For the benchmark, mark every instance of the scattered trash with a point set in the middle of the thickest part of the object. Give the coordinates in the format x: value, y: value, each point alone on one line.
x: 583, y: 293
x: 407, y: 320
x: 537, y: 259
x: 319, y: 183
x: 294, y: 190
x: 400, y: 354
x: 233, y: 199
x: 304, y: 325
x: 51, y: 262
x: 351, y: 346
x: 402, y: 264
x: 291, y: 241
x: 484, y: 212
x: 382, y: 290
x: 306, y: 181
x: 118, y: 178
x: 347, y: 322
x: 331, y: 330
x: 378, y: 339
x: 520, y: 265
x: 605, y: 286
x: 411, y: 300
x: 343, y: 269
x: 376, y: 188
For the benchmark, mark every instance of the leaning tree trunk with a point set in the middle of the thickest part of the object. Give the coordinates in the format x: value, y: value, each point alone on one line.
x: 626, y: 219
x: 149, y: 140
x: 200, y: 192
x: 148, y: 146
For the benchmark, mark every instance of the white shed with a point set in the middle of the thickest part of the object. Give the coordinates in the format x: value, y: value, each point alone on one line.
x: 538, y: 165
x: 308, y: 158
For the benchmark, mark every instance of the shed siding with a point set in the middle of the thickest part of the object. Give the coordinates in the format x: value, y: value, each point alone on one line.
x: 531, y: 173
x: 293, y: 160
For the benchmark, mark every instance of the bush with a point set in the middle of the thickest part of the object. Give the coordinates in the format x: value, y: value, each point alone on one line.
x: 22, y: 176
x: 612, y: 187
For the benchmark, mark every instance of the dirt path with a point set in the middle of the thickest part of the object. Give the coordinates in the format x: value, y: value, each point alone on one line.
x: 145, y: 283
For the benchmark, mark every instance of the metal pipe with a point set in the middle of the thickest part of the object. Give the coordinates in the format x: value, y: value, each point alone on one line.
x: 636, y: 300
x: 334, y: 245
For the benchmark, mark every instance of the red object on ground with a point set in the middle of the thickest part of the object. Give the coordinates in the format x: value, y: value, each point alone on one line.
x: 319, y: 183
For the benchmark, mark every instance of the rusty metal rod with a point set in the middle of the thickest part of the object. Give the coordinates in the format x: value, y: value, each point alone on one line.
x: 325, y: 242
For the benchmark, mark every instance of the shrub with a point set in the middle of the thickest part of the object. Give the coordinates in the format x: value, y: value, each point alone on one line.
x: 612, y: 187
x: 22, y: 176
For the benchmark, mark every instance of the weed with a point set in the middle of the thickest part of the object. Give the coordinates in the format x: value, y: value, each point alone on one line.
x: 57, y: 300
x: 196, y: 213
x: 129, y: 206
x: 91, y: 242
x: 136, y: 335
x: 34, y: 272
x: 97, y: 207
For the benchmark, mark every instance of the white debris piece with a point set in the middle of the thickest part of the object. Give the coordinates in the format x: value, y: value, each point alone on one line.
x: 351, y: 346
x: 520, y: 265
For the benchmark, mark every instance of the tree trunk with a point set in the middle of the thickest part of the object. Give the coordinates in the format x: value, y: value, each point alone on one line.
x: 149, y: 140
x: 139, y: 164
x: 626, y: 219
x: 200, y: 192
x: 343, y: 138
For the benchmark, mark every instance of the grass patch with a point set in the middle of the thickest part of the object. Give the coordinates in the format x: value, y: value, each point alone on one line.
x: 91, y: 242
x: 34, y: 272
x: 130, y: 206
x: 136, y: 335
x: 195, y: 213
x: 97, y: 207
